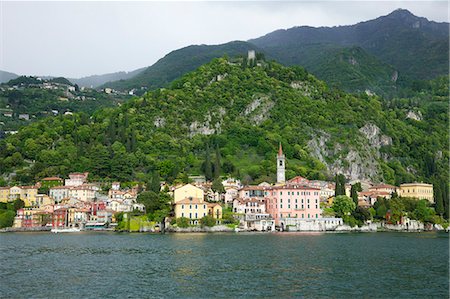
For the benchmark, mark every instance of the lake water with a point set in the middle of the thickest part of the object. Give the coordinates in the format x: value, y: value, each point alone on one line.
x: 315, y: 265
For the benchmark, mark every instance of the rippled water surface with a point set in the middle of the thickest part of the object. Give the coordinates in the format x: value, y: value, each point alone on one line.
x: 337, y: 265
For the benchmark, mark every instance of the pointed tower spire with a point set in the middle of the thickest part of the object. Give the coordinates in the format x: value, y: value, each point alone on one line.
x: 280, y: 150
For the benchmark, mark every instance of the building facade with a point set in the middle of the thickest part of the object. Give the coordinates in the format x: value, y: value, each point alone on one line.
x: 188, y: 191
x: 293, y: 201
x: 417, y: 190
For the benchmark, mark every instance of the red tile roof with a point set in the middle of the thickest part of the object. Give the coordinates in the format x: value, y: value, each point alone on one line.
x: 54, y: 178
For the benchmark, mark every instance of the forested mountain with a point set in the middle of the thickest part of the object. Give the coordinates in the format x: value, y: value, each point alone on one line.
x: 27, y: 99
x: 240, y: 112
x: 179, y: 62
x: 383, y: 55
x: 95, y: 81
x: 6, y: 76
x: 415, y: 47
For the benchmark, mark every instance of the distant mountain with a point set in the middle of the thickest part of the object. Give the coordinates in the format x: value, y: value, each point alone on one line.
x: 349, y: 68
x: 97, y: 80
x: 6, y: 76
x: 179, y: 62
x: 379, y: 55
x: 414, y: 46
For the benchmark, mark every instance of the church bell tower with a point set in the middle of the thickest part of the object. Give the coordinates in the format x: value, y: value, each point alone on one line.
x: 281, y: 167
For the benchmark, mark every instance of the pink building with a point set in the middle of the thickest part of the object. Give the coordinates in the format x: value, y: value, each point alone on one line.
x: 293, y: 201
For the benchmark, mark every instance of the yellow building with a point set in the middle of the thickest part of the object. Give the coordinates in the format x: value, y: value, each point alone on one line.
x: 417, y: 190
x: 195, y: 209
x: 4, y: 194
x: 188, y: 191
x: 42, y: 200
x: 25, y: 193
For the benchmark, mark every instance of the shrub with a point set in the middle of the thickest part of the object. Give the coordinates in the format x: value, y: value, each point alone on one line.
x: 182, y: 222
x: 7, y: 219
x: 208, y: 221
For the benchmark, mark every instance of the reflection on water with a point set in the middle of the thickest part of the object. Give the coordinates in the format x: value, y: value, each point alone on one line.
x: 92, y: 265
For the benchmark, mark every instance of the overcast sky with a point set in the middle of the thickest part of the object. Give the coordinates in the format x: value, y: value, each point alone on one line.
x: 75, y: 39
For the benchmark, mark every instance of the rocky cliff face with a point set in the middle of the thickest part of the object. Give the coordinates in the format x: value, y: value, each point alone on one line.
x: 359, y: 163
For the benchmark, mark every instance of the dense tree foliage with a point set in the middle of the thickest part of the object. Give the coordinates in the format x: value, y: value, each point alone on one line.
x: 343, y: 205
x: 339, y: 188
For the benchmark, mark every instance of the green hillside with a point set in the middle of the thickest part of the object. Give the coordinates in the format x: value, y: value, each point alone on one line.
x: 177, y: 63
x: 242, y: 112
x: 29, y: 96
x: 351, y: 69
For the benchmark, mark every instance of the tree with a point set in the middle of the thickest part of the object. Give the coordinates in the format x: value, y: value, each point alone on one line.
x: 423, y: 212
x: 361, y: 214
x: 217, y: 186
x: 381, y: 206
x: 18, y: 204
x: 217, y: 164
x: 397, y: 209
x: 6, y: 218
x: 183, y: 222
x: 340, y: 185
x: 207, y: 165
x: 208, y: 221
x: 343, y: 205
x: 354, y: 192
x: 439, y: 198
x: 150, y: 200
x: 155, y: 184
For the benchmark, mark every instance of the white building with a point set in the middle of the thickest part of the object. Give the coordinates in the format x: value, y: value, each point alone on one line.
x: 58, y: 193
x: 249, y: 206
x: 76, y: 179
x: 320, y: 224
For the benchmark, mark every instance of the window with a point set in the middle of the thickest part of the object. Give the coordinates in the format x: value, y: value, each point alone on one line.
x: 303, y: 215
x: 195, y: 215
x: 289, y: 206
x: 317, y: 215
x: 296, y: 200
x: 298, y: 193
x: 296, y: 207
x: 308, y: 206
x: 281, y: 205
x: 281, y: 193
x: 302, y: 207
x: 190, y: 215
x: 204, y: 206
x: 308, y: 216
x: 308, y: 200
x: 182, y: 214
x: 289, y: 200
x: 289, y: 193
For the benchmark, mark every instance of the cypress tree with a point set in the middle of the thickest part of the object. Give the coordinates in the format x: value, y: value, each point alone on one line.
x: 208, y: 170
x: 155, y: 185
x: 340, y: 185
x: 438, y: 198
x: 217, y: 169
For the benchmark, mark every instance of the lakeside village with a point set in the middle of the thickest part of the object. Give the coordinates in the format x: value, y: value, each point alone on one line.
x: 298, y: 204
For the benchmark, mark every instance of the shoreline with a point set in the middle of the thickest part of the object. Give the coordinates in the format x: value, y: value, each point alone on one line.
x: 212, y: 230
